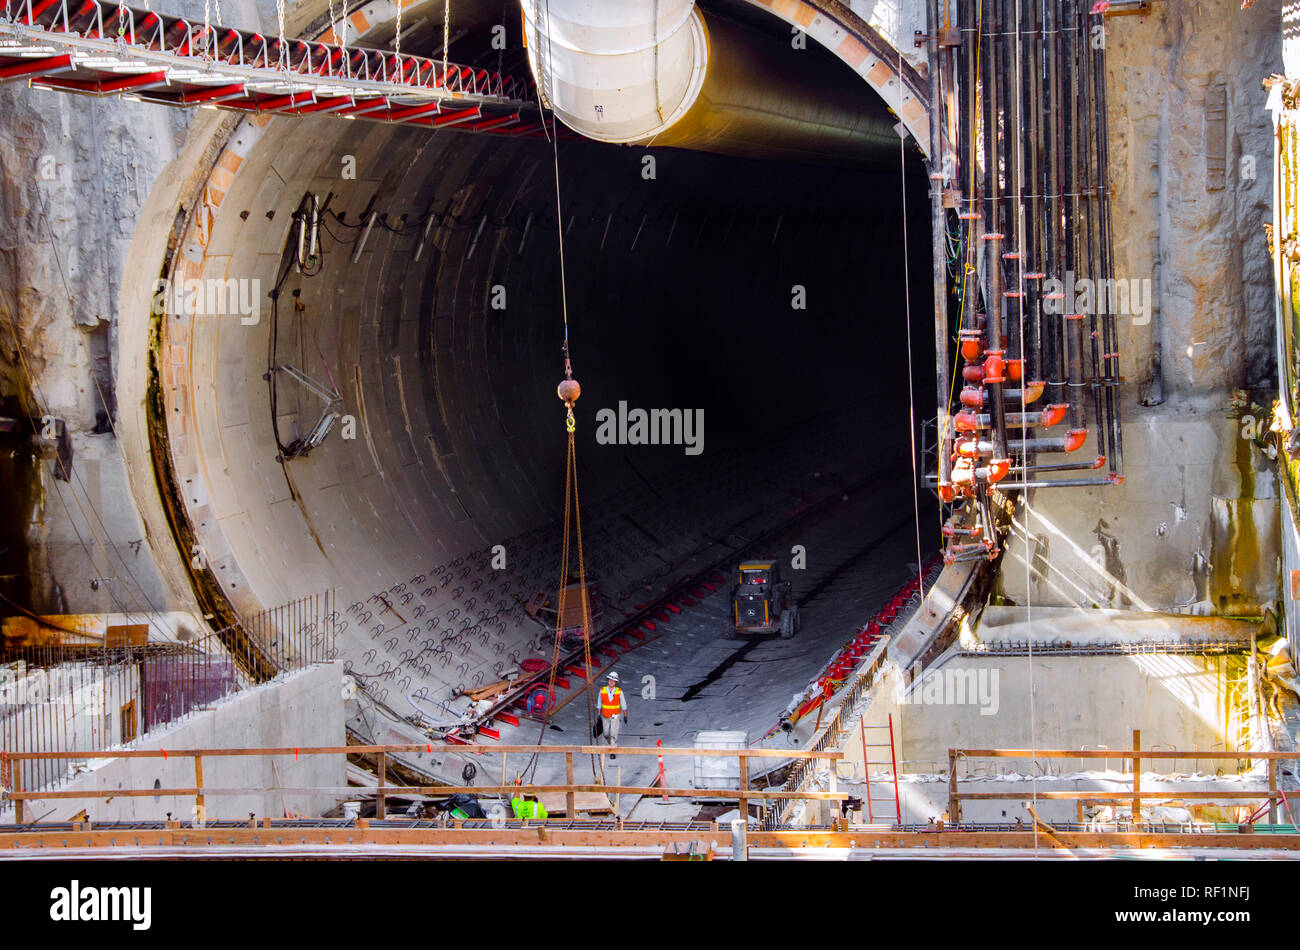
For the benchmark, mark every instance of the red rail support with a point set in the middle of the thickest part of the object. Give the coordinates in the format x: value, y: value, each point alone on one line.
x: 324, y: 105
x: 493, y: 124
x: 455, y: 118
x: 215, y: 94
x: 36, y: 67
x: 104, y: 87
x: 414, y: 112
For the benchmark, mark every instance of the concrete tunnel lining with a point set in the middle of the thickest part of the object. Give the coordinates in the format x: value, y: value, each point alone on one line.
x: 458, y: 443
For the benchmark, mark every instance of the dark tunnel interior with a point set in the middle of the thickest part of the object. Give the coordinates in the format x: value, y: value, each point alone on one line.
x: 768, y: 301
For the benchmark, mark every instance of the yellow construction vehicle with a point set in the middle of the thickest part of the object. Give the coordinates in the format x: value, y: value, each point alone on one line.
x: 762, y: 603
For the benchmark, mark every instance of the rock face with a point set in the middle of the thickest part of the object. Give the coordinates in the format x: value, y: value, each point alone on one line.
x: 1191, y: 152
x: 74, y: 175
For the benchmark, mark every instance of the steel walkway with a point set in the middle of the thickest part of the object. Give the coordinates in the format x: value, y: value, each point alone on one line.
x: 99, y: 48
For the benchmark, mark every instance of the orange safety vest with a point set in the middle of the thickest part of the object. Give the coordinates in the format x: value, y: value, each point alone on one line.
x: 611, y: 703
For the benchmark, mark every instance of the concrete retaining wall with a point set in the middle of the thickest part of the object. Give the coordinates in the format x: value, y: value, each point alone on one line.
x: 1092, y: 702
x: 304, y: 709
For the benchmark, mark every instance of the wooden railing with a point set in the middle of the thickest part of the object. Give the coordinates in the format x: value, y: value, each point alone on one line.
x: 743, y: 794
x: 1136, y: 756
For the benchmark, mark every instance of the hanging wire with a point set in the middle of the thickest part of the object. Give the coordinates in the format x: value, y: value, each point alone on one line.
x: 279, y: 15
x: 967, y: 267
x: 571, y: 473
x: 907, y: 305
x: 572, y: 517
x: 1024, y: 430
x: 446, y: 36
x: 501, y: 53
x: 397, y: 42
x: 555, y: 152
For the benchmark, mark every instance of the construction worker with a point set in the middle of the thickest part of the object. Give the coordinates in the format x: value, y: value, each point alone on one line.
x: 527, y: 808
x: 613, y: 704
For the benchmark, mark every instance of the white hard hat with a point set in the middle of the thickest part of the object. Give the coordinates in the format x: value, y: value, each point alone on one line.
x: 613, y: 676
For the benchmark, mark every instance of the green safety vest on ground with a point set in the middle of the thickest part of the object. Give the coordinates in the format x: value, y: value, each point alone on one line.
x: 527, y: 811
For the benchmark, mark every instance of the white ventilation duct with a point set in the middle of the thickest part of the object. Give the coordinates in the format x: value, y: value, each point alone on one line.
x: 661, y: 72
x: 614, y: 70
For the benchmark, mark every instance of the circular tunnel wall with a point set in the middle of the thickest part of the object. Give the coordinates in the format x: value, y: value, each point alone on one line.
x: 759, y: 298
x: 763, y: 302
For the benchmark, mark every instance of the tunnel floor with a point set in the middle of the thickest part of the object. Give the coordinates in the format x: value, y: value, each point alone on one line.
x: 703, y: 680
x: 859, y: 550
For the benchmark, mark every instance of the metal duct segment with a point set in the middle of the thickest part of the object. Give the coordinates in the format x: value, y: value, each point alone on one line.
x: 707, y: 84
x: 616, y: 71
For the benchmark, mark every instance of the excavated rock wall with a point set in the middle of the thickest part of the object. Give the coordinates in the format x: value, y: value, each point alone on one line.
x: 74, y: 175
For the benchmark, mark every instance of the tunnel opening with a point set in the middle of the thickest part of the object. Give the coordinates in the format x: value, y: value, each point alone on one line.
x: 753, y: 314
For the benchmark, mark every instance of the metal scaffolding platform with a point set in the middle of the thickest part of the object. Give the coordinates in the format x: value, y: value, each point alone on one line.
x: 98, y: 48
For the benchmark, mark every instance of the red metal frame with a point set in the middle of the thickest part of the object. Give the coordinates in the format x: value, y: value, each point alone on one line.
x: 312, y: 76
x: 35, y: 67
x: 102, y: 87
